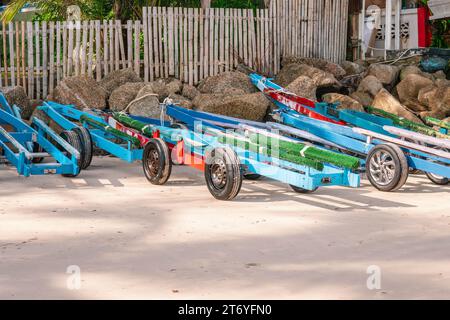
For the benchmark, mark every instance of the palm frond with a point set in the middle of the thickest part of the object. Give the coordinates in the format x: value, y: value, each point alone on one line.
x: 12, y: 9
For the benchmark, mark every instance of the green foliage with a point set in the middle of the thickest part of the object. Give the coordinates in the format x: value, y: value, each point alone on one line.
x: 440, y: 27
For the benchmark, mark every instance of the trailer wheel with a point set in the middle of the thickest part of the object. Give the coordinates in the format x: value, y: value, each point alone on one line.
x: 252, y: 176
x: 37, y: 147
x: 387, y: 167
x: 301, y: 190
x: 74, y: 140
x: 223, y: 174
x: 156, y: 162
x: 87, y: 146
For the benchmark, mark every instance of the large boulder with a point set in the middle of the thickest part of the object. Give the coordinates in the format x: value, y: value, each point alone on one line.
x: 440, y: 101
x: 232, y: 82
x: 17, y: 96
x: 408, y: 89
x: 174, y: 86
x: 387, y: 74
x: 157, y: 87
x: 370, y: 85
x: 123, y: 95
x: 81, y: 91
x: 412, y: 69
x: 292, y: 71
x: 248, y: 106
x: 190, y: 92
x: 385, y: 101
x: 425, y: 94
x: 345, y: 102
x: 146, y: 105
x: 118, y: 78
x: 303, y: 87
x: 352, y: 68
x: 362, y: 97
x: 181, y: 101
x: 336, y: 70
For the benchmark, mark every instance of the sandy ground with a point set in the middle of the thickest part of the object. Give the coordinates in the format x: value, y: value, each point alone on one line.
x: 134, y: 240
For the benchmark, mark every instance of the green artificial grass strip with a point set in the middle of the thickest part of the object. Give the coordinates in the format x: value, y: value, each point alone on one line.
x: 108, y: 129
x: 278, y: 154
x: 439, y: 123
x: 134, y: 124
x: 407, y: 124
x: 312, y: 153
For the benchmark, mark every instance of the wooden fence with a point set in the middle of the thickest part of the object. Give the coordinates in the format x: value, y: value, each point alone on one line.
x: 186, y: 43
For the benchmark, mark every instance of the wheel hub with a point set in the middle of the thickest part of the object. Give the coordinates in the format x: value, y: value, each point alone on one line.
x: 153, y: 162
x: 382, y: 168
x: 219, y: 174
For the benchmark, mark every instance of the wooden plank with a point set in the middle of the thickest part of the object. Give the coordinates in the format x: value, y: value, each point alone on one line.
x: 165, y: 41
x: 51, y: 56
x: 240, y: 35
x: 221, y: 39
x: 76, y: 54
x: 156, y: 42
x: 17, y: 34
x: 5, y: 55
x: 23, y: 31
x: 84, y: 47
x: 98, y: 54
x: 37, y: 70
x: 235, y: 38
x: 211, y: 42
x: 111, y: 45
x: 170, y: 38
x: 11, y: 52
x: 191, y: 45
x: 130, y: 43
x: 216, y: 40
x: 195, y: 39
x: 105, y: 49
x: 267, y: 41
x: 65, y: 49
x: 146, y: 56
x: 30, y: 60
x: 160, y: 42
x: 202, y: 44
x: 137, y: 47
x: 123, y: 58
x: 91, y: 48
x: 117, y: 26
x: 227, y: 40
x: 150, y: 45
x: 176, y: 37
x: 44, y: 60
x: 181, y: 37
x: 70, y: 29
x: 185, y: 45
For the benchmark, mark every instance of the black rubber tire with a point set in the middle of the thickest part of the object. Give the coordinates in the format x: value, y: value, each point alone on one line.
x: 73, y: 139
x: 36, y: 147
x: 252, y: 176
x: 401, y: 167
x: 439, y: 181
x: 232, y: 177
x: 301, y: 190
x: 156, y: 162
x: 87, y: 146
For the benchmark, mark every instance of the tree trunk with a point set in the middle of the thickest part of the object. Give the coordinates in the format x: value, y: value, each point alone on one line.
x: 206, y: 4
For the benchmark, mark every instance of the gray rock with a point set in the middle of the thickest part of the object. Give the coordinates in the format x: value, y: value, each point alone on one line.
x: 181, y: 101
x: 362, y: 97
x: 174, y: 86
x: 123, y: 95
x: 352, y: 68
x: 387, y: 74
x: 190, y: 92
x: 17, y: 96
x: 385, y: 101
x: 345, y: 102
x: 118, y: 78
x: 145, y: 106
x: 157, y: 87
x: 408, y: 89
x: 370, y: 85
x: 292, y: 71
x: 336, y: 70
x: 303, y: 87
x: 81, y: 91
x: 227, y: 83
x: 248, y: 106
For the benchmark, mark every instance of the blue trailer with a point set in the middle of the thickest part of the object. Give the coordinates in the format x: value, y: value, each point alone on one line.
x: 26, y: 147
